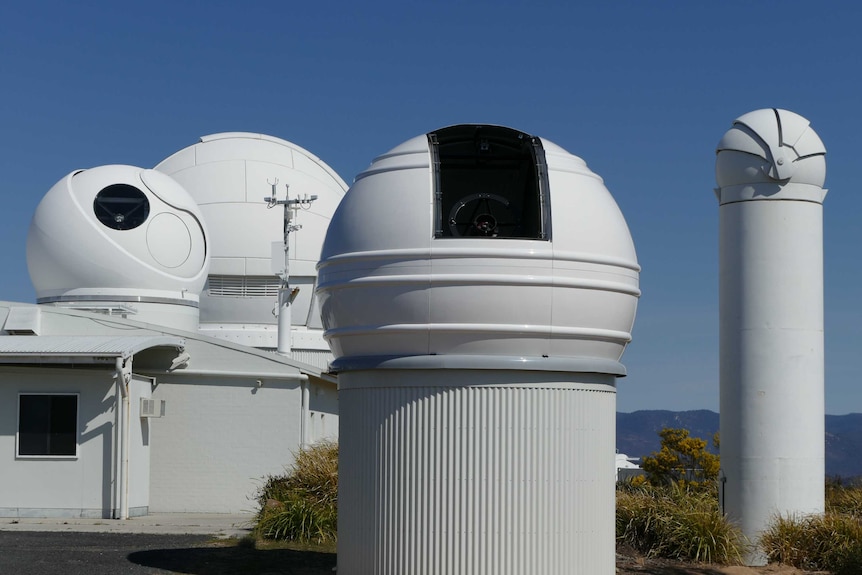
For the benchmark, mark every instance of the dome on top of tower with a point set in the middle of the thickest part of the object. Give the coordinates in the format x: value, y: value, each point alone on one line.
x: 479, y: 241
x: 770, y: 146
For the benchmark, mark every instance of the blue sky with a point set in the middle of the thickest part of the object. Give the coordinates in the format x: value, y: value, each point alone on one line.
x: 641, y: 90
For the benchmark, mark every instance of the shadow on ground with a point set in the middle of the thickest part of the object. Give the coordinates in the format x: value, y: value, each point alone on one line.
x: 218, y: 560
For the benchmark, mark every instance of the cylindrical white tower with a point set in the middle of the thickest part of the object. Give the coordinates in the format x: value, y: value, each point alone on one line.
x: 478, y: 287
x: 770, y: 169
x: 120, y: 239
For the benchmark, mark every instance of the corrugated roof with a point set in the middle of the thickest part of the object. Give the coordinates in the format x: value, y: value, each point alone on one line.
x: 80, y: 346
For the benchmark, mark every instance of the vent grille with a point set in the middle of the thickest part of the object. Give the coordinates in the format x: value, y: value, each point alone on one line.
x: 152, y: 407
x: 23, y: 321
x: 243, y: 286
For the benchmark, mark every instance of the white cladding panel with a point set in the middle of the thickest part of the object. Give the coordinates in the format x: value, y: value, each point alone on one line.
x: 476, y: 472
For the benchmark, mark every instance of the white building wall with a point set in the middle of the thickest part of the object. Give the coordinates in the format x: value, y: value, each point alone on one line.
x: 218, y: 439
x: 76, y: 487
x: 139, y: 453
x: 323, y: 415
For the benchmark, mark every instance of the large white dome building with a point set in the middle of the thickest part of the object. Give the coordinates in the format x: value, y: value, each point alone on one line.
x: 228, y: 175
x: 116, y: 391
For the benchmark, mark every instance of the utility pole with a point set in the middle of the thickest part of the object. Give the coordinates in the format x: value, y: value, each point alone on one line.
x: 286, y: 294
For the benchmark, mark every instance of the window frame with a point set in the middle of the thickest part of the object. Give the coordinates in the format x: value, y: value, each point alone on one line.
x: 77, y: 396
x: 108, y: 217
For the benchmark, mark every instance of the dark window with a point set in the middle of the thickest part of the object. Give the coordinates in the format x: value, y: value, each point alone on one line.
x: 47, y: 425
x: 121, y: 207
x: 490, y: 182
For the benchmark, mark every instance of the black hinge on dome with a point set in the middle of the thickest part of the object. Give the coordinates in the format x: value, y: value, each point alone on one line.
x: 433, y: 146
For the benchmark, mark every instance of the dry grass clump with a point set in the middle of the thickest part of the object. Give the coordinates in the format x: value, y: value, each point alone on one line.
x: 830, y: 542
x: 676, y: 523
x: 302, y: 505
x: 843, y: 497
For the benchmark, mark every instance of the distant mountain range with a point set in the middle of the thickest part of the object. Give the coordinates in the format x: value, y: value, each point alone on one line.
x: 637, y: 435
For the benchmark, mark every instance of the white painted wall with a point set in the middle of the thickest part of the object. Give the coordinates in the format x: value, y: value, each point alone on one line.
x: 323, y: 415
x: 139, y: 454
x: 218, y: 439
x: 80, y: 487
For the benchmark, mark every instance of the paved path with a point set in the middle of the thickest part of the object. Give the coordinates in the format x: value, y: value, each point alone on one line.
x: 158, y: 544
x: 70, y: 553
x: 211, y: 524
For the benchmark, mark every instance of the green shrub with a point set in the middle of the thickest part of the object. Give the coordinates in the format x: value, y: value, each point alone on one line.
x: 830, y: 542
x: 676, y: 523
x: 303, y: 504
x: 682, y: 460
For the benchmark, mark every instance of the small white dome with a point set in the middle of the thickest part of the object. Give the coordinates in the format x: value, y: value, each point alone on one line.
x: 117, y: 233
x: 479, y: 241
x: 770, y: 146
x: 228, y: 175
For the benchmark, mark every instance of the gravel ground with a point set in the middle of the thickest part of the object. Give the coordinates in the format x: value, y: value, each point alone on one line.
x: 632, y: 563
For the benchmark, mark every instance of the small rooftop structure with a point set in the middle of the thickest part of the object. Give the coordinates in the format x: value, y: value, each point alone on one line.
x: 627, y: 467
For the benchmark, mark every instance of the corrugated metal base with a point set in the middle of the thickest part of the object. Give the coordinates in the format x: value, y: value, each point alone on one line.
x: 317, y: 358
x: 488, y: 479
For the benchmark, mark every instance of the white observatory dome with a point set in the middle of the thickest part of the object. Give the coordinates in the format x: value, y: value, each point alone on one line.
x: 120, y: 236
x: 228, y: 175
x: 475, y: 241
x: 769, y: 146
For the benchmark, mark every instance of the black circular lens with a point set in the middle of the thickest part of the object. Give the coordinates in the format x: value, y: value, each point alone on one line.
x: 121, y: 207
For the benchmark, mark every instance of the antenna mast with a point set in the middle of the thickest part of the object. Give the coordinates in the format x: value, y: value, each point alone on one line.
x: 286, y: 294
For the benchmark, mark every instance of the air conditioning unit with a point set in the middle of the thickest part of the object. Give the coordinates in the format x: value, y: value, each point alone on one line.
x: 152, y: 407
